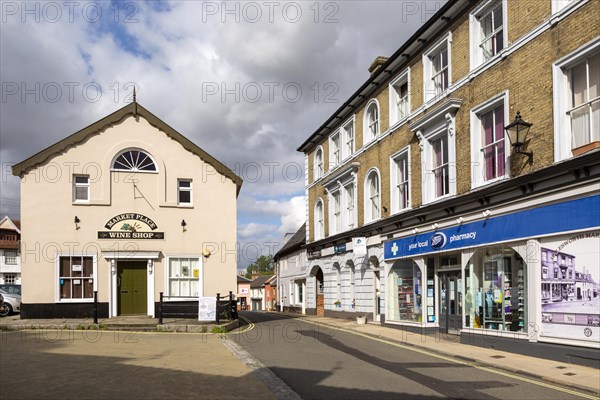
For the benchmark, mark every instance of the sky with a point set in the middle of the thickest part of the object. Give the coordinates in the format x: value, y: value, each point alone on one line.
x: 248, y: 82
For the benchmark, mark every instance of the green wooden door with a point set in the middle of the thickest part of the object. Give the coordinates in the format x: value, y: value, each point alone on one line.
x: 132, y: 288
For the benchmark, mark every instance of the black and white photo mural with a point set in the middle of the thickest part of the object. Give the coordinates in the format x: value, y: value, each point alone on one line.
x: 571, y: 287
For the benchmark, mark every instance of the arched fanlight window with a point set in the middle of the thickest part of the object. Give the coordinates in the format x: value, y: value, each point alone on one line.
x: 134, y: 160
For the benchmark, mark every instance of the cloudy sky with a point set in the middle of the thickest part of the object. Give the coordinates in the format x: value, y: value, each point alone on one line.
x: 246, y: 81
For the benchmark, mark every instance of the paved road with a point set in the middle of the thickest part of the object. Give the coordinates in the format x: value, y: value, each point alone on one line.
x: 49, y: 364
x: 321, y: 363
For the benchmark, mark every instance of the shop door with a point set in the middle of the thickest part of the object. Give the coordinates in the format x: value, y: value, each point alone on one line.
x: 450, y: 302
x: 132, y: 287
x: 320, y: 298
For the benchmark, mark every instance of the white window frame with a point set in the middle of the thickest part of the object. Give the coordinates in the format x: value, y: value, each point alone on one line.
x: 319, y: 219
x: 11, y: 257
x: 394, y: 86
x: 349, y: 219
x: 297, y: 291
x: 486, y: 7
x: 559, y: 5
x: 348, y: 135
x: 57, y: 277
x: 395, y: 174
x: 368, y: 135
x: 189, y: 189
x: 335, y: 149
x: 112, y: 163
x: 562, y: 99
x: 352, y: 270
x: 168, y: 278
x: 477, y: 159
x: 335, y: 211
x: 318, y: 164
x: 77, y: 185
x: 429, y: 92
x: 441, y: 121
x: 368, y: 215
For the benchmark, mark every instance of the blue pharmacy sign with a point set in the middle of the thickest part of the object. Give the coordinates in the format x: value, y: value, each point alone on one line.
x: 562, y: 217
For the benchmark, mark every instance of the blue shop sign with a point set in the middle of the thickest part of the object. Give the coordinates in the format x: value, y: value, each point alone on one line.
x: 562, y: 217
x: 339, y: 248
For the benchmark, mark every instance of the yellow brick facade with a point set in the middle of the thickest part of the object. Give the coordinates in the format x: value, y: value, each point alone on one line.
x: 525, y: 74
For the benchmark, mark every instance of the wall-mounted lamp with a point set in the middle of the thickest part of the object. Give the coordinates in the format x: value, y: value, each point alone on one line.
x: 206, y: 253
x: 517, y: 134
x: 486, y: 213
x: 434, y: 226
x: 416, y: 230
x: 459, y: 220
x: 183, y: 225
x: 77, y: 221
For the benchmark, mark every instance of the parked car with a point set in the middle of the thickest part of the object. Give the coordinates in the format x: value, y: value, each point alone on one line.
x: 11, y: 289
x: 12, y: 303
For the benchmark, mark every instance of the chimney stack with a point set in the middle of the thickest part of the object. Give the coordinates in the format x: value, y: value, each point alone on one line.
x: 377, y: 63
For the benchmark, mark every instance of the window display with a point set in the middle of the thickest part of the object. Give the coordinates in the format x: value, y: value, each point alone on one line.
x: 405, y: 278
x: 495, y: 290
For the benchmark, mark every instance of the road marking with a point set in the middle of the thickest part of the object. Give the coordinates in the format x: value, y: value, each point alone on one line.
x: 456, y: 361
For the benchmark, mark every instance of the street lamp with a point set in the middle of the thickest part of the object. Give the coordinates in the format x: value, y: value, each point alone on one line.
x: 517, y: 134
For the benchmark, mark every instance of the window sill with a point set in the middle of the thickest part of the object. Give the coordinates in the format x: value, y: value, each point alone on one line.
x: 74, y: 301
x: 585, y: 148
x: 82, y: 203
x: 185, y: 206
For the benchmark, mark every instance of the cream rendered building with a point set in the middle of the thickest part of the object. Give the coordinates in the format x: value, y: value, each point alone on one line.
x: 130, y: 208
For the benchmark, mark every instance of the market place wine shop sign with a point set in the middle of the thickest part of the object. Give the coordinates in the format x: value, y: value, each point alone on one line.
x: 130, y: 226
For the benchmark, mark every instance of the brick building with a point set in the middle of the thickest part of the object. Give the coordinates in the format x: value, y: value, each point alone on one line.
x: 417, y: 163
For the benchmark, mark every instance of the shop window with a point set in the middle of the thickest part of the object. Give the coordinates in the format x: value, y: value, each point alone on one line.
x: 184, y: 192
x: 76, y: 276
x: 495, y: 290
x: 406, y: 292
x: 81, y: 188
x: 10, y: 257
x: 135, y: 161
x: 184, y: 276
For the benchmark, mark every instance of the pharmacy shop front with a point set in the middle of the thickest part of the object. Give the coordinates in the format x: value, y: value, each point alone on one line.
x: 526, y: 281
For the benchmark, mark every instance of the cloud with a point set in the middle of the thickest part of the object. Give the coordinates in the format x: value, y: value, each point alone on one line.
x: 254, y: 230
x: 248, y: 92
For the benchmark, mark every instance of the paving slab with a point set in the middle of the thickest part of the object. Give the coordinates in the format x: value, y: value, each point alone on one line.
x: 83, y: 364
